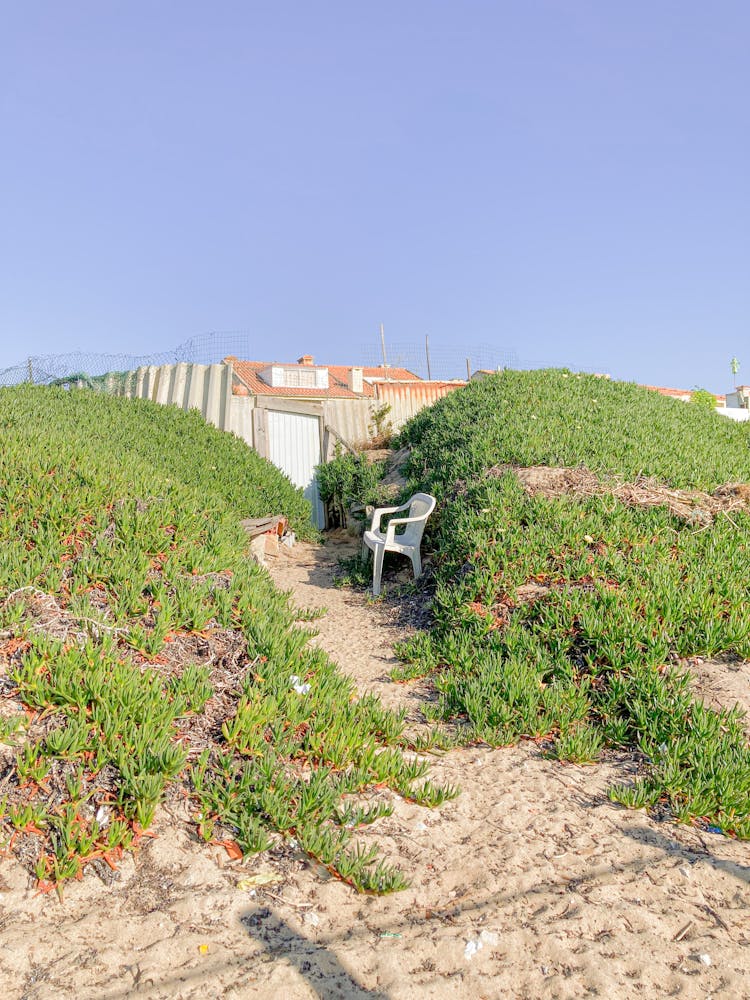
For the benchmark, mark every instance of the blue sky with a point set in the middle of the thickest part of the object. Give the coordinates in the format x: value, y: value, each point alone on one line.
x: 563, y: 181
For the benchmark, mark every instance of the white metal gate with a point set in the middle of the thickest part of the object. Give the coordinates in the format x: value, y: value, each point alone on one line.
x: 294, y: 447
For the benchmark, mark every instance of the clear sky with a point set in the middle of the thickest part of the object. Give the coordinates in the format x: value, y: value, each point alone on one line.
x: 565, y: 181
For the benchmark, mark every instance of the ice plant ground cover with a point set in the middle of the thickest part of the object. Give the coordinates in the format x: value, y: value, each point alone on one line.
x: 565, y: 618
x: 142, y: 653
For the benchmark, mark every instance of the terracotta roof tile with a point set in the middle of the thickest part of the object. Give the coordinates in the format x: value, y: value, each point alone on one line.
x: 338, y: 375
x: 684, y: 394
x: 248, y: 372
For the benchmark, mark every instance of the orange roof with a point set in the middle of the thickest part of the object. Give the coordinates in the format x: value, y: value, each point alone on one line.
x: 338, y: 379
x: 674, y: 393
x: 391, y: 374
x: 248, y: 372
x: 683, y: 394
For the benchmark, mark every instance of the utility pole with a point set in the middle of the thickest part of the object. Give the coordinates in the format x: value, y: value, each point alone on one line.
x: 382, y: 345
x: 427, y: 352
x: 31, y: 370
x: 468, y: 369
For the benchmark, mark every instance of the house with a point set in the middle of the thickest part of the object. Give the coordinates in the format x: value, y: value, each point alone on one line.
x: 297, y: 414
x: 740, y: 398
x: 306, y: 380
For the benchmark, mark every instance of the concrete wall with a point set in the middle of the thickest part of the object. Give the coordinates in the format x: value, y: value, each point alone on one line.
x: 347, y: 421
x: 352, y: 419
x: 241, y: 417
x: 207, y: 388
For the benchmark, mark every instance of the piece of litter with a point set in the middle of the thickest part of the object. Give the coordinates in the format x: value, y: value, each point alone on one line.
x: 312, y: 918
x: 298, y: 686
x: 472, y: 947
x: 261, y: 878
x: 203, y: 949
x: 102, y: 817
x: 489, y: 937
x: 421, y: 827
x: 390, y: 934
x: 704, y: 959
x: 232, y: 848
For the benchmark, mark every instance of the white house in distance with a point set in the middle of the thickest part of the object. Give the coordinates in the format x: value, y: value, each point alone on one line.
x: 739, y: 398
x: 736, y: 404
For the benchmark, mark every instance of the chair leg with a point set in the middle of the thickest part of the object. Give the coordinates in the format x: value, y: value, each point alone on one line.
x: 377, y: 568
x: 416, y: 562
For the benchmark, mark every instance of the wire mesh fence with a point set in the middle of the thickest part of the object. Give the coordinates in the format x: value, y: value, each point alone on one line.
x: 100, y: 371
x: 110, y: 372
x: 441, y: 362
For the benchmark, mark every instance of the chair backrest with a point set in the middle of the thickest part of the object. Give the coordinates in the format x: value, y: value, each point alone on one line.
x: 421, y: 505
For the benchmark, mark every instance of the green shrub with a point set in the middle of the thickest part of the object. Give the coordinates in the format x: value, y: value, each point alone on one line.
x: 704, y: 398
x: 348, y: 480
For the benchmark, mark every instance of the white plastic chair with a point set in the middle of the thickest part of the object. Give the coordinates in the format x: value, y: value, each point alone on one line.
x: 420, y: 507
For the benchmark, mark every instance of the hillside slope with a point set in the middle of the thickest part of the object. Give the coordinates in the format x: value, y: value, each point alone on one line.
x: 568, y: 617
x: 141, y: 647
x: 561, y: 418
x: 149, y: 443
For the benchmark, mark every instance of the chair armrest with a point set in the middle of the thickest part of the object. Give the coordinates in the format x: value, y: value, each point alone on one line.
x: 394, y: 521
x: 379, y: 511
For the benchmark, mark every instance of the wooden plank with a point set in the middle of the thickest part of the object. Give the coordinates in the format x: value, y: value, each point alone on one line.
x: 261, y: 525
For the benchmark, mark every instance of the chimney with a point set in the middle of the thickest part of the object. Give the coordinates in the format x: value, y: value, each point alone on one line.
x: 307, y: 360
x: 354, y: 380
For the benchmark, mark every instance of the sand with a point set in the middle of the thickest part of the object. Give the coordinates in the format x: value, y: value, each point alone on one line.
x: 530, y: 884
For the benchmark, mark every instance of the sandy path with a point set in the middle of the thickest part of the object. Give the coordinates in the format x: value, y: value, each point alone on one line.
x: 567, y: 894
x: 359, y: 635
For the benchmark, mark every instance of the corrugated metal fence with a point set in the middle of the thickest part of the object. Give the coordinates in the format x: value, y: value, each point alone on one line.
x: 295, y: 434
x: 407, y: 398
x: 208, y: 388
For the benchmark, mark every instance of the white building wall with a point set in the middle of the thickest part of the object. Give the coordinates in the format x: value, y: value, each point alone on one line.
x: 733, y: 412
